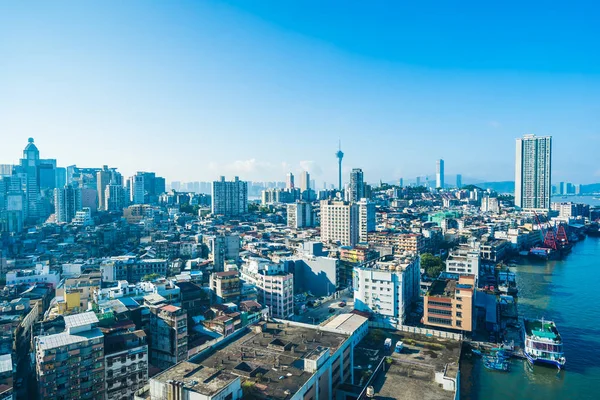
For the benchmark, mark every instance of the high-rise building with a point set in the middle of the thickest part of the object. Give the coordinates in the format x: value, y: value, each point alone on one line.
x: 300, y: 215
x: 229, y: 198
x: 222, y: 247
x: 439, y: 174
x: 274, y: 285
x: 356, y: 188
x: 533, y: 167
x: 67, y: 201
x: 366, y: 219
x: 125, y: 363
x: 138, y: 193
x: 401, y: 182
x: 114, y: 198
x: 339, y: 222
x: 168, y: 335
x: 102, y: 181
x: 304, y: 181
x: 70, y: 365
x: 418, y: 181
x: 289, y: 183
x: 458, y: 181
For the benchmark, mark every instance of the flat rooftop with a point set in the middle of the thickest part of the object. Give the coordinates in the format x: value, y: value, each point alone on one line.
x: 197, y: 378
x: 65, y: 339
x: 444, y: 288
x: 276, y: 351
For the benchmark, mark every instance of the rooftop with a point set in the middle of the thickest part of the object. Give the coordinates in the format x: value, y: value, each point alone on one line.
x: 276, y: 351
x: 197, y: 378
x: 82, y: 319
x: 65, y: 339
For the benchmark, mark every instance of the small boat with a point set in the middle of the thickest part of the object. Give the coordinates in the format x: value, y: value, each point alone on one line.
x: 495, y: 363
x: 477, y: 352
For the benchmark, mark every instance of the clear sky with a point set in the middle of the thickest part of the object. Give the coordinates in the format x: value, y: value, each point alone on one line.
x: 197, y: 89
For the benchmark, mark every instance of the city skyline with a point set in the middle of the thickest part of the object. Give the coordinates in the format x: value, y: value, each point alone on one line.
x: 155, y: 89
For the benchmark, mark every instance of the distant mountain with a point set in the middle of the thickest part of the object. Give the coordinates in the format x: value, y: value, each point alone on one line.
x: 500, y: 187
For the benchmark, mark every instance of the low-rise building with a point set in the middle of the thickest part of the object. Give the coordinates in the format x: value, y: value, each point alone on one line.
x: 387, y: 289
x: 274, y: 285
x: 449, y: 302
x: 40, y: 274
x: 226, y: 286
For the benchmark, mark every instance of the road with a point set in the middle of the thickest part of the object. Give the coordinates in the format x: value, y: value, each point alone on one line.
x: 317, y: 315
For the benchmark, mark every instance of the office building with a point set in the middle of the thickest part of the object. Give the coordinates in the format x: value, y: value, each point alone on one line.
x: 387, y: 289
x: 289, y: 182
x: 304, y: 181
x: 229, y: 199
x: 366, y: 219
x: 168, y: 335
x: 339, y: 222
x: 102, y: 181
x: 138, y: 193
x: 114, y: 198
x: 67, y: 201
x: 439, y: 174
x: 226, y: 286
x: 458, y: 181
x: 300, y: 215
x: 533, y: 167
x: 70, y: 365
x: 356, y: 187
x: 274, y: 285
x: 449, y: 303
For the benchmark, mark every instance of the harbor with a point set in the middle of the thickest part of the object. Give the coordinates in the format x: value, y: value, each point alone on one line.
x: 554, y: 290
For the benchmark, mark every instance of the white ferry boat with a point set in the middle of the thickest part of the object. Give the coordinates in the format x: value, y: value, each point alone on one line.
x: 543, y: 343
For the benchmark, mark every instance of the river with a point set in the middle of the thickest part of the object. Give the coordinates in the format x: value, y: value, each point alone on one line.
x: 568, y: 292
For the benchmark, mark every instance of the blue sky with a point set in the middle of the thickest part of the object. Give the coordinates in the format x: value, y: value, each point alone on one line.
x: 198, y: 89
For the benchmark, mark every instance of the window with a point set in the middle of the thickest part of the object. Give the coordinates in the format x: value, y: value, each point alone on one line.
x: 458, y: 323
x: 459, y: 314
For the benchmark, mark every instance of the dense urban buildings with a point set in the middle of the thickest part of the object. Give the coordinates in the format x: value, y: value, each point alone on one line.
x: 533, y: 168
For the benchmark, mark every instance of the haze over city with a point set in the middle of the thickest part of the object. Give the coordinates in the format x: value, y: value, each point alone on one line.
x: 195, y: 90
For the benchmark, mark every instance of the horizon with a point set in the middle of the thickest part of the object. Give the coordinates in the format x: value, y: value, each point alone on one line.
x: 196, y: 90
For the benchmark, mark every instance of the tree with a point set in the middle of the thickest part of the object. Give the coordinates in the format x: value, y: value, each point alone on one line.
x: 432, y: 265
x: 150, y: 277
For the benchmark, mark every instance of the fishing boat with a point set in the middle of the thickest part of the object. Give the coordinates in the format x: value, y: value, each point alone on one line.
x: 477, y: 352
x: 543, y: 343
x: 496, y: 363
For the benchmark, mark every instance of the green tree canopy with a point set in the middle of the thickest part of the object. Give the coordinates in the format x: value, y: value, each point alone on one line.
x: 432, y: 265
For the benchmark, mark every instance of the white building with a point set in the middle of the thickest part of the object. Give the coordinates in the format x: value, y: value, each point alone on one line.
x: 40, y: 274
x: 83, y: 217
x: 300, y: 215
x: 274, y: 285
x: 229, y: 198
x: 464, y: 260
x: 533, y: 167
x: 222, y: 247
x: 490, y: 204
x: 138, y: 192
x: 366, y: 219
x: 339, y: 222
x: 388, y: 288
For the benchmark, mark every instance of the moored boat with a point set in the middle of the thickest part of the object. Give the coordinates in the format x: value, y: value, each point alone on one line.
x: 543, y: 343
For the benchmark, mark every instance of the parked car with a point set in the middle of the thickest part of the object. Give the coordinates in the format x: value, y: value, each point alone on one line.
x: 342, y: 304
x: 331, y: 310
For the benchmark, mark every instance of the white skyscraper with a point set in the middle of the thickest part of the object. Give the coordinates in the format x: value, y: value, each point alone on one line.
x: 339, y: 222
x: 229, y: 198
x: 439, y: 174
x: 533, y: 167
x: 304, y: 181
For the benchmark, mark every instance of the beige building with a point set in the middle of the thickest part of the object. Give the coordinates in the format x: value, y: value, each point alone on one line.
x: 339, y: 222
x: 449, y: 303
